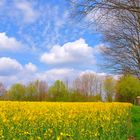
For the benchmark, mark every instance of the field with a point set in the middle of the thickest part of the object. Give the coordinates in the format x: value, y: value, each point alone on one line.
x: 64, y: 121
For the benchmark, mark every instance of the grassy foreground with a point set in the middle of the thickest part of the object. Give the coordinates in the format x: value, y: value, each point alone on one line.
x: 136, y: 121
x: 64, y: 121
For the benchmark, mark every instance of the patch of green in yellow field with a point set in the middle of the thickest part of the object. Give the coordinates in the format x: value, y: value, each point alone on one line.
x: 64, y: 121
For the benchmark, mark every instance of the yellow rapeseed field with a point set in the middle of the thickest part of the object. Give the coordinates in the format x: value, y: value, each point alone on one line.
x: 64, y: 121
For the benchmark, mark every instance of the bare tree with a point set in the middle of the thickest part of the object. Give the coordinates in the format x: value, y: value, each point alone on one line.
x: 41, y: 89
x: 109, y: 88
x: 2, y: 89
x: 77, y: 86
x: 119, y: 21
x: 88, y: 84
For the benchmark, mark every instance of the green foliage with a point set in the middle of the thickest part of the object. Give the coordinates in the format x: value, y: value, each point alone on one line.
x: 109, y: 88
x: 136, y: 121
x: 36, y: 91
x: 58, y: 91
x: 17, y: 92
x: 127, y: 88
x: 31, y: 92
x: 78, y: 97
x: 95, y: 98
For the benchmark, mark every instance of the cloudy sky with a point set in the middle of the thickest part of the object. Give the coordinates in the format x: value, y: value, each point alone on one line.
x: 39, y: 40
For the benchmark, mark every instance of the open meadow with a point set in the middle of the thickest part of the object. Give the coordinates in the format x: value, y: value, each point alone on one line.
x: 65, y: 121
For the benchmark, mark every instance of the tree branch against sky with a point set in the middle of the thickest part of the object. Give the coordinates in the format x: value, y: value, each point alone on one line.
x: 119, y: 22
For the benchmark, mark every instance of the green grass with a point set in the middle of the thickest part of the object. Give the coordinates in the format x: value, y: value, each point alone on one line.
x: 136, y: 121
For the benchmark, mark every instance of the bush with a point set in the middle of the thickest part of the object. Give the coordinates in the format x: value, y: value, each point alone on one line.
x: 127, y: 88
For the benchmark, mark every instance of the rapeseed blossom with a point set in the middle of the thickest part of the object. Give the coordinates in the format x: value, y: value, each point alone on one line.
x: 64, y: 121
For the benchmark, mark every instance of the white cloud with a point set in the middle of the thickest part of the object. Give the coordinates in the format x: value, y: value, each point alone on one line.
x: 77, y: 52
x: 9, y: 43
x: 67, y: 74
x: 55, y: 74
x: 11, y: 71
x: 26, y: 9
x: 30, y: 67
x: 9, y: 66
x: 102, y: 75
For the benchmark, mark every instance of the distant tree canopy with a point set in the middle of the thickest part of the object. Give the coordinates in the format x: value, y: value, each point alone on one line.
x: 16, y: 92
x: 87, y: 87
x: 58, y: 91
x: 36, y: 90
x: 127, y: 88
x: 119, y: 23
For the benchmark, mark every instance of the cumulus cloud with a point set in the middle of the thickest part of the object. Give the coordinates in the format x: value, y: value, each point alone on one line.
x: 49, y: 76
x: 99, y: 74
x: 29, y: 14
x: 11, y: 71
x: 77, y: 52
x: 9, y: 43
x: 67, y: 74
x: 9, y: 66
x: 55, y: 74
x: 31, y: 67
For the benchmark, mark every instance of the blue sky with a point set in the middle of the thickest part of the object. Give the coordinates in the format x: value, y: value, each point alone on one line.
x: 39, y: 40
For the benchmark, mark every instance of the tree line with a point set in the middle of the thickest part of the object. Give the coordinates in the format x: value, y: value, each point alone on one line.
x: 87, y: 87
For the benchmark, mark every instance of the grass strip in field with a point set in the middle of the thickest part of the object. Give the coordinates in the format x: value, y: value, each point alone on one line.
x: 136, y: 121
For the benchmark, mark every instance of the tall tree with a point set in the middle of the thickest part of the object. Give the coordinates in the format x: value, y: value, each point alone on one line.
x: 109, y: 88
x: 58, y: 91
x: 119, y: 22
x: 2, y: 91
x: 17, y: 92
x: 41, y: 90
x: 31, y: 92
x: 88, y: 84
x: 36, y: 90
